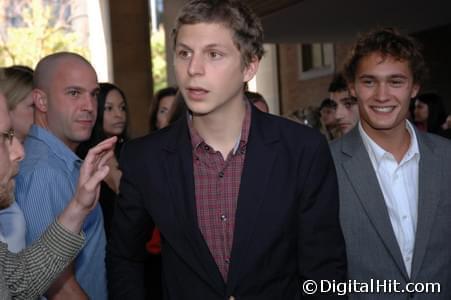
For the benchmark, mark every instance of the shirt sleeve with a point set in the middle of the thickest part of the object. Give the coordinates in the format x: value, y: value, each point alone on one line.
x: 42, y: 194
x: 29, y: 273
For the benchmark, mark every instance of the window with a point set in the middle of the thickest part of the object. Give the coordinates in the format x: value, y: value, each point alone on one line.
x: 315, y: 60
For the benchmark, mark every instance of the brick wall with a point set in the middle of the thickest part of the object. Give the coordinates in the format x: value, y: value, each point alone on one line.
x: 297, y: 93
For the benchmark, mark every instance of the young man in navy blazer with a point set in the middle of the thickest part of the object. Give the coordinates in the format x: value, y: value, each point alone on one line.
x: 246, y: 202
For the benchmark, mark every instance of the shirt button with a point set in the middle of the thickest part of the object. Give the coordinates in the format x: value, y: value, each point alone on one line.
x: 223, y: 218
x: 227, y: 261
x: 221, y: 174
x: 408, y: 258
x: 404, y: 218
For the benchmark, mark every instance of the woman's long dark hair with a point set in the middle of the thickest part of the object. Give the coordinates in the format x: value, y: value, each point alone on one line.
x: 437, y: 113
x: 98, y: 134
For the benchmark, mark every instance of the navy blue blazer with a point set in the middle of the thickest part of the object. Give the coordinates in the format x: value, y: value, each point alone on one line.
x: 286, y: 230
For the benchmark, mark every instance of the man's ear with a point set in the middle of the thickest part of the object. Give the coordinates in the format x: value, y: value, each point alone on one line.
x: 251, y: 69
x: 39, y: 100
x: 351, y: 88
x: 415, y: 90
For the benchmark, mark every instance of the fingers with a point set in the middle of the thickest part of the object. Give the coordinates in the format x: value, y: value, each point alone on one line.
x: 93, y: 182
x: 105, y: 158
x: 95, y: 155
x: 99, y: 148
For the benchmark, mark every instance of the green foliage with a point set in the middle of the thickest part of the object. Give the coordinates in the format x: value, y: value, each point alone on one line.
x: 158, y: 59
x: 39, y: 35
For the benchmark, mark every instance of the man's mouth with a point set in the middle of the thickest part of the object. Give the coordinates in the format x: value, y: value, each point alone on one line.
x: 383, y: 109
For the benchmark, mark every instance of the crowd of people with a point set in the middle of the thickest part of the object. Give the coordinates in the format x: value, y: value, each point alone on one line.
x: 223, y: 200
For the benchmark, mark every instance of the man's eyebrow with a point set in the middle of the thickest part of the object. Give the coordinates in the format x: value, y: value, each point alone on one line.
x: 182, y: 45
x: 367, y: 76
x: 399, y: 76
x: 73, y: 87
x: 208, y: 46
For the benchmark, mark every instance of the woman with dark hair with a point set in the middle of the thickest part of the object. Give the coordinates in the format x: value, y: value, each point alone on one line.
x: 112, y: 120
x: 429, y: 113
x: 162, y: 108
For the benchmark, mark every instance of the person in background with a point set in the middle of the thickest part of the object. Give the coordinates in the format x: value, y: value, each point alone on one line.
x: 446, y: 127
x: 16, y: 83
x: 161, y: 107
x: 65, y: 96
x: 347, y: 111
x: 308, y: 116
x: 429, y: 113
x: 257, y: 100
x: 327, y: 111
x: 112, y: 120
x: 28, y: 274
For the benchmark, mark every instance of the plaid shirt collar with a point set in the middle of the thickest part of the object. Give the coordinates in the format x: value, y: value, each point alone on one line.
x: 197, y: 140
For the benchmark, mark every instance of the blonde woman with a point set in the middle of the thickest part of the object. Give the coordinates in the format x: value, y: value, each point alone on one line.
x: 16, y: 85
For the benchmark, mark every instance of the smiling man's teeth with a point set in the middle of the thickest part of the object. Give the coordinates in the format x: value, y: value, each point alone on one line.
x: 383, y: 109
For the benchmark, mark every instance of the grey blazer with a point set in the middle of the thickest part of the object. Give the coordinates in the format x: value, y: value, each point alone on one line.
x: 371, y: 246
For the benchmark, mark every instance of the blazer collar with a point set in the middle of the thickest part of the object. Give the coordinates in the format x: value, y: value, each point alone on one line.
x: 430, y: 171
x: 362, y: 177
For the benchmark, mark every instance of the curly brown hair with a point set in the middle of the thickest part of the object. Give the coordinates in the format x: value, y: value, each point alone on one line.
x: 235, y: 15
x: 388, y: 42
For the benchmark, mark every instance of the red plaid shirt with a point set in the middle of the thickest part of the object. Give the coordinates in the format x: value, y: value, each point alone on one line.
x: 217, y: 183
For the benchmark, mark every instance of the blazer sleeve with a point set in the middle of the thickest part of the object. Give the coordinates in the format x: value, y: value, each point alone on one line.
x: 131, y: 229
x: 28, y: 273
x: 321, y: 244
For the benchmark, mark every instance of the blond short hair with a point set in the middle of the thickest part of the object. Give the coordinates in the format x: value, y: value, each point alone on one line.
x: 16, y: 83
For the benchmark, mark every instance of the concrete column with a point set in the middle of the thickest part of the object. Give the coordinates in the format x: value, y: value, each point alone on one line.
x: 130, y: 43
x: 171, y: 9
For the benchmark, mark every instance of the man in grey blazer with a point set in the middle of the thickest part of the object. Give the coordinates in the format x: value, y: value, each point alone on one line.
x: 395, y: 194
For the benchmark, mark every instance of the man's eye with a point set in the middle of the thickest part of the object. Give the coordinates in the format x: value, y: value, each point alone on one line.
x: 396, y: 83
x: 183, y: 54
x: 368, y: 82
x: 215, y: 54
x: 73, y: 93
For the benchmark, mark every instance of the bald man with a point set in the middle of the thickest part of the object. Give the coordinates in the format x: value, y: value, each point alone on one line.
x: 64, y: 94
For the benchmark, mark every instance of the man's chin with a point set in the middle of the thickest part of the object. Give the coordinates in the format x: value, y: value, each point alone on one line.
x: 6, y: 195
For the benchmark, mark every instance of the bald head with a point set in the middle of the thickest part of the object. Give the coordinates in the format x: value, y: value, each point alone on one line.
x: 45, y: 69
x: 64, y: 95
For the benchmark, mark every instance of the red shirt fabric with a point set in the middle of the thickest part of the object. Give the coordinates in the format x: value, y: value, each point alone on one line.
x: 217, y: 184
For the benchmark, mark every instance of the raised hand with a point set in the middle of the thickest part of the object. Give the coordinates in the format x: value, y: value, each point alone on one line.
x: 92, y: 172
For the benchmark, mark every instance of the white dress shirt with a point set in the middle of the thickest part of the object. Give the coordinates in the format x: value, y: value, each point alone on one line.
x: 399, y: 185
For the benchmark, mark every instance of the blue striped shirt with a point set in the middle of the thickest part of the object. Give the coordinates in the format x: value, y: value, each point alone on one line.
x: 46, y: 182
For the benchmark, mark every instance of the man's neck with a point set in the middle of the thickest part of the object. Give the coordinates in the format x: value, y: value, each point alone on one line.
x: 221, y: 129
x: 41, y: 121
x: 395, y: 141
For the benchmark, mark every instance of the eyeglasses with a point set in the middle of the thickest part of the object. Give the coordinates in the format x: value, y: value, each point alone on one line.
x: 8, y: 135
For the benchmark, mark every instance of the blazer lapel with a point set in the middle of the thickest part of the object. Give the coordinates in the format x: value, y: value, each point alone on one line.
x: 428, y: 198
x: 180, y: 177
x: 260, y: 155
x: 361, y: 175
